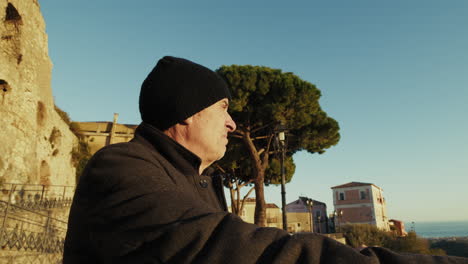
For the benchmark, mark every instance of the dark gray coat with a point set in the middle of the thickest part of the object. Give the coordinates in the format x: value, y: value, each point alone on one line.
x: 144, y: 202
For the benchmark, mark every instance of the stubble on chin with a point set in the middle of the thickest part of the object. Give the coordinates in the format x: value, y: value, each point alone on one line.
x: 223, y: 152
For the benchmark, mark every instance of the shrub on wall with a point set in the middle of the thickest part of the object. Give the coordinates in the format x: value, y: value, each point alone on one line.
x: 64, y: 115
x: 456, y: 247
x: 359, y: 235
x: 80, y: 154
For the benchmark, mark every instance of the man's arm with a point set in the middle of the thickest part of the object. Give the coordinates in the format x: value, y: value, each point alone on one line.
x: 136, y: 211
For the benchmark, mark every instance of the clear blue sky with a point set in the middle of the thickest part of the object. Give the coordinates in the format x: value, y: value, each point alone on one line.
x: 394, y: 74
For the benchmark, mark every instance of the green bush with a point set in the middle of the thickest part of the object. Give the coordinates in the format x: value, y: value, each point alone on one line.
x: 80, y: 154
x: 413, y: 244
x: 64, y: 115
x: 457, y: 247
x: 358, y: 235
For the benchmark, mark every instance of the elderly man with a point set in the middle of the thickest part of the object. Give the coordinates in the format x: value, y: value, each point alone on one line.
x: 148, y: 201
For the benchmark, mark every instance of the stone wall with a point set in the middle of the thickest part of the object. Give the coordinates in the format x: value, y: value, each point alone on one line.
x: 35, y: 143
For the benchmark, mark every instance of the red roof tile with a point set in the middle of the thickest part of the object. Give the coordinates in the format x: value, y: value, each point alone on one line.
x: 354, y: 184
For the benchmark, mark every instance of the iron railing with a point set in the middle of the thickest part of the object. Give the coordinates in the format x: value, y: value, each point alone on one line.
x: 30, y: 195
x: 32, y: 258
x: 14, y: 239
x: 28, y: 232
x: 25, y: 229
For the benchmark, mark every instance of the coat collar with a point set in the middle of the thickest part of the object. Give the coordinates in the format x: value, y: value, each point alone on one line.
x: 180, y: 157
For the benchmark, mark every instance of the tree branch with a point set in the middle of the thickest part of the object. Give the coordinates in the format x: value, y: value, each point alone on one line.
x: 261, y: 137
x: 252, y: 149
x: 245, y: 198
x: 248, y: 193
x: 261, y: 151
x: 266, y: 155
x: 262, y: 127
x: 220, y: 168
x: 269, y: 143
x: 238, y: 132
x: 234, y: 205
x: 245, y: 183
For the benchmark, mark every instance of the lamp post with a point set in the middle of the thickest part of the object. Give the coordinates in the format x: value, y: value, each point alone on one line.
x: 282, y: 142
x: 319, y: 218
x: 335, y: 221
x: 310, y: 204
x: 340, y: 219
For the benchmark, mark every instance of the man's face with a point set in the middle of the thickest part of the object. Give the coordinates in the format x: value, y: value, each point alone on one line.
x: 209, y: 130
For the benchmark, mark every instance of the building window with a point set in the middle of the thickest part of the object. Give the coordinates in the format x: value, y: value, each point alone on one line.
x: 363, y: 195
x: 342, y: 196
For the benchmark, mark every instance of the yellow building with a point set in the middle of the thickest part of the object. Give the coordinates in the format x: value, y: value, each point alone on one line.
x: 274, y: 217
x: 307, y: 215
x: 273, y: 213
x: 100, y: 134
x: 299, y: 222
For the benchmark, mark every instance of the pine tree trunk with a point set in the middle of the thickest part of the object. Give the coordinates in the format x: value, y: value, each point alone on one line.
x: 259, y: 179
x: 260, y: 206
x: 234, y: 202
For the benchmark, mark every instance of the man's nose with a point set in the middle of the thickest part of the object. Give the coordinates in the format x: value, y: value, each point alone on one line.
x: 230, y: 124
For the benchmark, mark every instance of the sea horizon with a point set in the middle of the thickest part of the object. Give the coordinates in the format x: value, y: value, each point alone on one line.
x: 438, y: 229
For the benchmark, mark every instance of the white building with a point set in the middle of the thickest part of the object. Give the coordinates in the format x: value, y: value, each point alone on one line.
x: 360, y: 203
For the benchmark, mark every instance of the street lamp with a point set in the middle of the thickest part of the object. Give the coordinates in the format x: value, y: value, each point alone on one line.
x: 340, y: 219
x: 281, y: 136
x: 335, y: 221
x: 318, y: 221
x: 310, y: 204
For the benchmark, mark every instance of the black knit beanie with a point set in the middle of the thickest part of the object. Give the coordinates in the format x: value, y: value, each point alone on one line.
x: 177, y: 89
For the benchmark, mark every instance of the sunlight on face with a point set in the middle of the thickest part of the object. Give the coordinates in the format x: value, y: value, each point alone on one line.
x: 209, y: 131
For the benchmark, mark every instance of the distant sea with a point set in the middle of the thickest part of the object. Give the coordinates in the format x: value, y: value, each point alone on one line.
x: 439, y: 229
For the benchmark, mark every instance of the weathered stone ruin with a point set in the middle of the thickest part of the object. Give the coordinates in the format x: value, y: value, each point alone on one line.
x: 37, y: 173
x: 35, y: 143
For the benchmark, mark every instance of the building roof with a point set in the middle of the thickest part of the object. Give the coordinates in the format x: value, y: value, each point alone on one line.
x: 354, y: 184
x: 250, y: 200
x: 105, y: 127
x: 315, y: 202
x: 268, y: 205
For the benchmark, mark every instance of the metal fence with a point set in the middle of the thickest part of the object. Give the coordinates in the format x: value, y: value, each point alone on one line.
x: 31, y: 258
x: 30, y: 195
x: 28, y: 231
x: 30, y: 241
